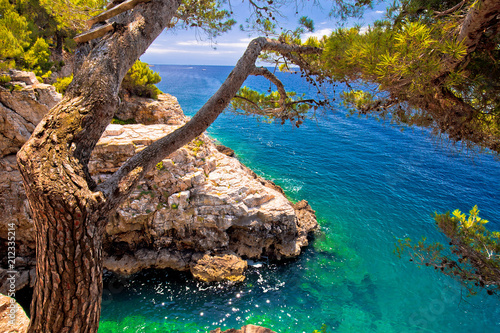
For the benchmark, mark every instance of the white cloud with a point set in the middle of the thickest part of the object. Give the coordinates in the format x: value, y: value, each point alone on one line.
x: 363, y: 30
x: 379, y: 12
x: 319, y: 33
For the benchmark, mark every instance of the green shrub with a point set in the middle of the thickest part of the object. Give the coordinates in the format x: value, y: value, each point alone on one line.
x: 123, y: 122
x: 63, y: 83
x: 37, y: 59
x: 4, y: 79
x: 140, y: 81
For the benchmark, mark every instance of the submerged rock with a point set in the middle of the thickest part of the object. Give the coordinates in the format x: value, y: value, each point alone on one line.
x: 196, y: 202
x: 245, y: 329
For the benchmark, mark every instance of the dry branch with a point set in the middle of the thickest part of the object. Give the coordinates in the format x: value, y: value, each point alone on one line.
x: 123, y: 7
x: 94, y: 33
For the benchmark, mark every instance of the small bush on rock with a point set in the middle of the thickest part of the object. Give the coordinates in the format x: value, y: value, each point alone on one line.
x: 140, y: 81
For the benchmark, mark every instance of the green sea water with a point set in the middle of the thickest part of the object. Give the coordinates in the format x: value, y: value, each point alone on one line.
x: 370, y: 184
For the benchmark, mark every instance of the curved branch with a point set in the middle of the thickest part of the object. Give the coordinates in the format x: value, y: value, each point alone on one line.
x: 117, y: 187
x: 262, y: 71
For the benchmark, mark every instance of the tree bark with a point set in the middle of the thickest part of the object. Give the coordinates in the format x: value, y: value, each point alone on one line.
x: 69, y: 209
x: 482, y: 16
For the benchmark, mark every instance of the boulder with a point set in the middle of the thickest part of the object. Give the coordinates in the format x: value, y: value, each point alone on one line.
x: 13, y: 319
x: 225, y: 150
x: 164, y: 110
x: 28, y: 78
x: 219, y: 268
x: 21, y: 110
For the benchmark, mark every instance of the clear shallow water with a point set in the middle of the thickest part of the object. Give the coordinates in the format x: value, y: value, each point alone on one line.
x: 369, y: 183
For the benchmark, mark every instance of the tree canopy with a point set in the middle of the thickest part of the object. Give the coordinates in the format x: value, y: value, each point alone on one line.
x: 426, y: 67
x: 433, y: 64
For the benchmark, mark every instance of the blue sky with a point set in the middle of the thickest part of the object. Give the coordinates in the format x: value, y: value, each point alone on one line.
x: 190, y: 47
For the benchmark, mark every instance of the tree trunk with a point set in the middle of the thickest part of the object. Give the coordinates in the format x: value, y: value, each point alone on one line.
x: 68, y: 224
x: 67, y: 296
x: 58, y: 52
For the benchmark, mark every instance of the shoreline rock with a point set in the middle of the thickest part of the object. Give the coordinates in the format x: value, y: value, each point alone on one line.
x: 219, y: 268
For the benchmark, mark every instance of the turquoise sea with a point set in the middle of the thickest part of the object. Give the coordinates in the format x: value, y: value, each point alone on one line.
x: 370, y: 183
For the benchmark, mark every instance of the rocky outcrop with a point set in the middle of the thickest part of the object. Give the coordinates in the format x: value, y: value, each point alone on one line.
x: 146, y: 111
x: 13, y: 319
x: 196, y: 202
x: 225, y: 150
x: 21, y: 110
x: 245, y: 329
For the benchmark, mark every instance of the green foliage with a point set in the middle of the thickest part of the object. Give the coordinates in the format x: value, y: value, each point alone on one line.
x: 4, y: 79
x: 272, y: 106
x: 405, y: 61
x: 206, y: 15
x: 62, y: 83
x: 358, y: 99
x: 37, y: 58
x: 410, y: 54
x: 473, y: 255
x: 198, y: 142
x: 31, y: 30
x: 123, y: 122
x: 14, y: 33
x: 72, y: 14
x: 160, y: 166
x: 140, y: 81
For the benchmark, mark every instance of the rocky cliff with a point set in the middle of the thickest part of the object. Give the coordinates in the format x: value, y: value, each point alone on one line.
x: 196, y: 207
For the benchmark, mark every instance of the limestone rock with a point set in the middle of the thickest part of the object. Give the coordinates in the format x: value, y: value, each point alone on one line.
x: 225, y: 150
x: 21, y: 110
x: 197, y: 200
x: 13, y: 319
x: 219, y: 268
x: 148, y: 111
x: 28, y: 78
x: 245, y: 329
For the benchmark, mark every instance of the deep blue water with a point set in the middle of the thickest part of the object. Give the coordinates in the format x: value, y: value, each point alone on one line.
x: 370, y: 183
